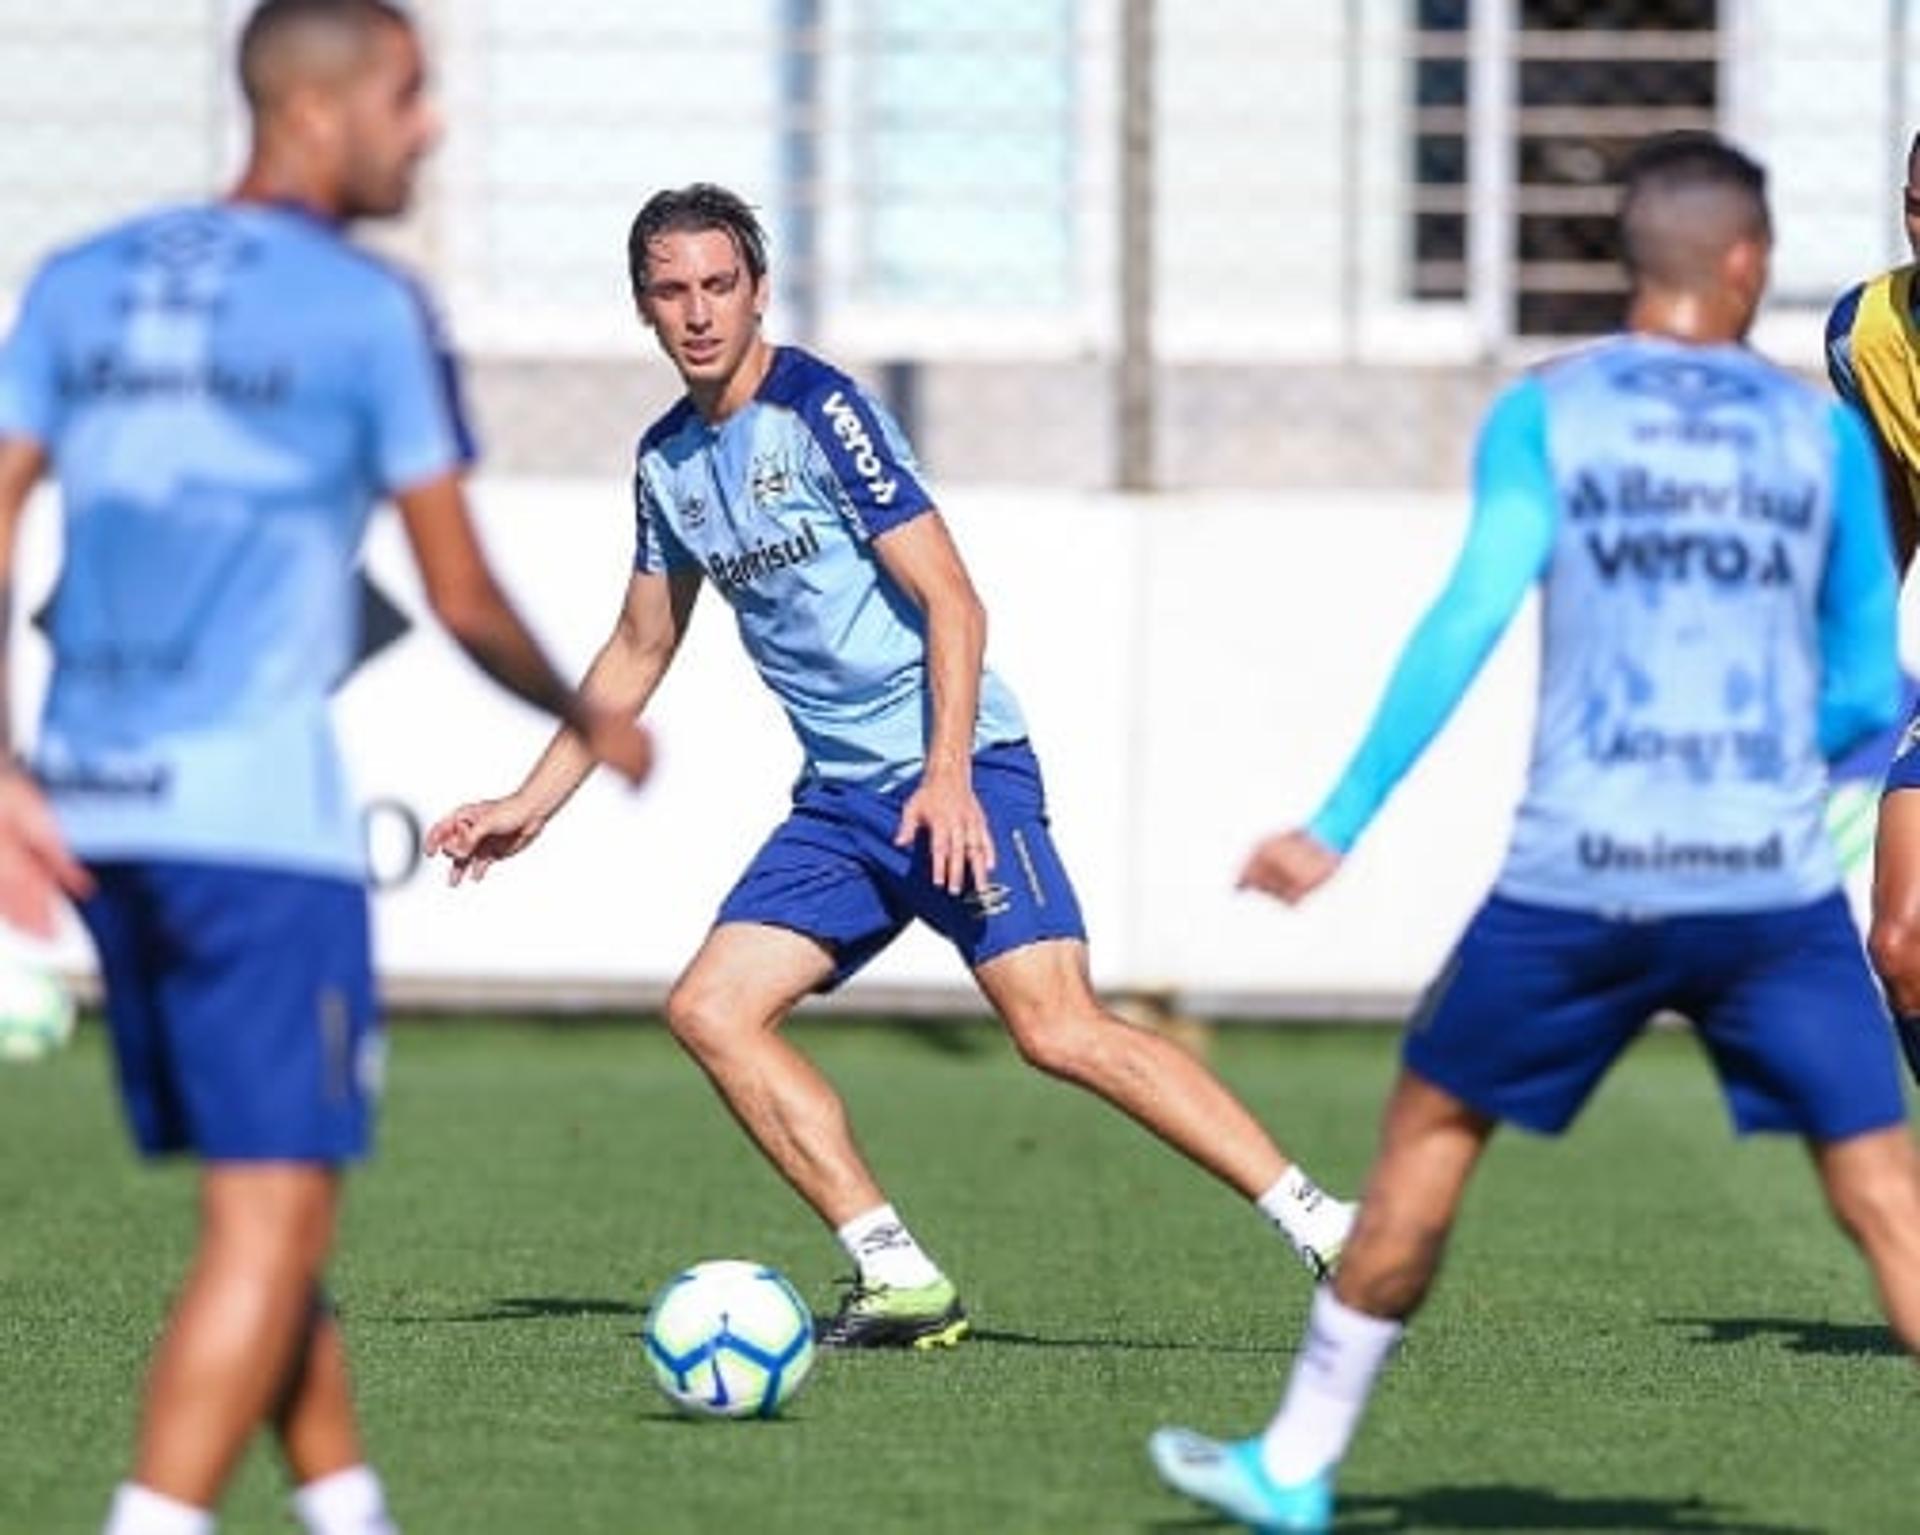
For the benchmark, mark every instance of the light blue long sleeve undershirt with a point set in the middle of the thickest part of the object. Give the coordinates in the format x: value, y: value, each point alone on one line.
x: 1859, y: 599
x: 1510, y: 538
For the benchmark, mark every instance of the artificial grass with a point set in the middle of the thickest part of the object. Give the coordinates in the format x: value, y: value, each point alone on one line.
x: 1642, y: 1328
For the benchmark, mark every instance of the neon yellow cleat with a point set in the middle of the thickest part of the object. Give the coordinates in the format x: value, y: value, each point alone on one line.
x: 885, y: 1316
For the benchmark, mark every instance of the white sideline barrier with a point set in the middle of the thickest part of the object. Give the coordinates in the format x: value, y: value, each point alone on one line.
x: 1194, y: 670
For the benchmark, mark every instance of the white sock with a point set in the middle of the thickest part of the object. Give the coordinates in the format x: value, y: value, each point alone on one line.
x: 1332, y: 1379
x: 140, y: 1511
x: 349, y: 1502
x: 1307, y: 1215
x: 885, y: 1252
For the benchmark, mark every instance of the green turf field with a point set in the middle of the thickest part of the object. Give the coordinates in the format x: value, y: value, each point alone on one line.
x: 1643, y: 1329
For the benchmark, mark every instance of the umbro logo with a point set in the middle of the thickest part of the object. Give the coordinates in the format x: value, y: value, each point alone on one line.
x: 1689, y: 386
x: 989, y: 900
x: 694, y: 510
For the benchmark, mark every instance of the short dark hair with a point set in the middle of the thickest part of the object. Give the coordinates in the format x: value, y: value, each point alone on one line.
x: 276, y: 24
x: 692, y: 209
x: 1687, y: 197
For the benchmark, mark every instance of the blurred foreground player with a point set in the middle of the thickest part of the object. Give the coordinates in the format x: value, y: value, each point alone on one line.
x: 1717, y: 625
x: 780, y: 482
x: 224, y: 390
x: 1873, y: 357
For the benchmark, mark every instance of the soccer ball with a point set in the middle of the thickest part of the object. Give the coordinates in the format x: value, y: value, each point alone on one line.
x: 36, y: 1014
x: 728, y: 1339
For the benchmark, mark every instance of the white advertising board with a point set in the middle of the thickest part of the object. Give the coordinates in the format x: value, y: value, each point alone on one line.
x: 1194, y: 668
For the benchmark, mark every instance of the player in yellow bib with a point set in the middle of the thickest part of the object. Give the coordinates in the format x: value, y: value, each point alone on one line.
x: 1873, y: 358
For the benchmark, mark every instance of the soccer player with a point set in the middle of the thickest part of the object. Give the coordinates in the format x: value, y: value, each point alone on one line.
x: 1873, y: 358
x: 224, y: 390
x: 777, y: 480
x: 1717, y: 624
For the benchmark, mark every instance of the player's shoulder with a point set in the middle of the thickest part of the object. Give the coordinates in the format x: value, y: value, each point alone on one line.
x: 382, y: 288
x: 1683, y: 372
x: 111, y: 248
x: 1598, y: 360
x: 1845, y: 313
x: 827, y: 406
x: 316, y: 256
x: 803, y: 383
x: 668, y: 428
x: 1894, y: 287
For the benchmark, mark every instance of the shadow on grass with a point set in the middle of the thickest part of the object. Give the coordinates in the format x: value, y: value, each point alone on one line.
x: 537, y: 1308
x: 1539, y: 1508
x: 1523, y: 1508
x: 1836, y: 1339
x: 995, y: 1338
x: 529, y: 1308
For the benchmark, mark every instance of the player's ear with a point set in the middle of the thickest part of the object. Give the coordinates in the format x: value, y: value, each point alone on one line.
x: 1745, y: 265
x: 762, y: 292
x: 316, y: 115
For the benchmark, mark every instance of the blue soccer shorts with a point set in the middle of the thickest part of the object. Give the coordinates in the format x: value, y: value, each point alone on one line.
x: 1537, y: 1003
x: 831, y: 871
x: 241, y: 1004
x: 1904, y: 771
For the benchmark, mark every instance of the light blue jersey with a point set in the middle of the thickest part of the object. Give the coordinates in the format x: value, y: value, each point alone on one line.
x: 1717, y: 624
x: 224, y: 392
x: 779, y: 505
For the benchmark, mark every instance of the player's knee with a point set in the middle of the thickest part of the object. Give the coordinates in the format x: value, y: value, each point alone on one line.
x: 1387, y: 1292
x: 1062, y: 1045
x: 701, y: 1017
x: 1879, y: 1206
x: 1391, y: 1262
x: 1894, y: 944
x: 691, y: 1016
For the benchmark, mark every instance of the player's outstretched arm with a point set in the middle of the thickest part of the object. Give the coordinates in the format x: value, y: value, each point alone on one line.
x: 468, y: 600
x: 35, y: 866
x: 921, y: 556
x: 621, y: 680
x: 1509, y: 539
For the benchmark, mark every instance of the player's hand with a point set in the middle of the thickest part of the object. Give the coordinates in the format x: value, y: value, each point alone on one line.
x: 35, y: 866
x: 623, y: 744
x: 958, y: 842
x: 477, y: 836
x: 1291, y: 866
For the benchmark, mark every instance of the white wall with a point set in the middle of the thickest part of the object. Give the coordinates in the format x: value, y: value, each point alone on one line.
x: 1194, y: 668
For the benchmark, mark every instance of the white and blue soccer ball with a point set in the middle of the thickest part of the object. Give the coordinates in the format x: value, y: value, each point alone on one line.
x: 36, y: 1012
x: 729, y: 1339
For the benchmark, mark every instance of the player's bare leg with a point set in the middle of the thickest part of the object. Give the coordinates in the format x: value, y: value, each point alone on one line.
x: 335, y: 1490
x: 727, y: 1010
x: 1873, y: 1184
x: 1894, y: 938
x: 237, y: 1324
x: 1430, y: 1143
x: 314, y: 1418
x: 1043, y: 993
